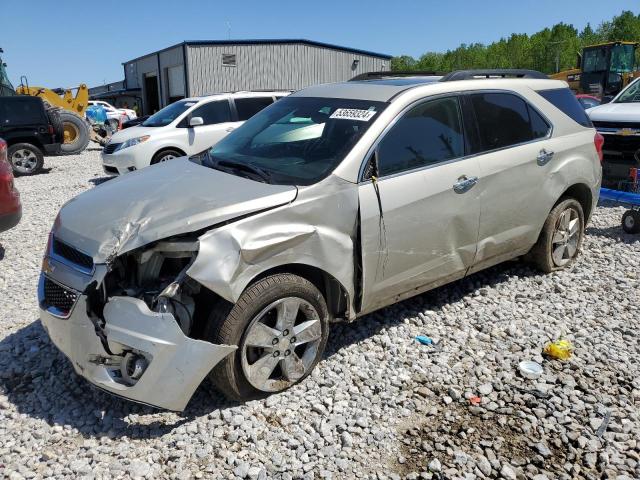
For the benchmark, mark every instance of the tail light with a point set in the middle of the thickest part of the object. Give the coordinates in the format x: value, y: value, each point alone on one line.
x: 51, y: 132
x: 3, y: 151
x: 6, y: 172
x: 598, y: 140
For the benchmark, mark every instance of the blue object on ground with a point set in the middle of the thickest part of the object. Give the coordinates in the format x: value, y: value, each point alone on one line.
x: 619, y: 196
x: 96, y: 114
x: 424, y: 340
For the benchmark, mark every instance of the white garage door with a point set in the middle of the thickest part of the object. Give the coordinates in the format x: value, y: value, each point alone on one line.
x: 176, y: 81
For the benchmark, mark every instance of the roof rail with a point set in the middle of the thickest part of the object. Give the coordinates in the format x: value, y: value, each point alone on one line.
x: 492, y: 73
x: 394, y: 73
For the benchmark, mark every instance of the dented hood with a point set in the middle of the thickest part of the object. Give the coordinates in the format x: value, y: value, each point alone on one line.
x: 158, y: 202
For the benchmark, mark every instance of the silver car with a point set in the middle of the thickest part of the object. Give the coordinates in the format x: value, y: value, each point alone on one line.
x: 333, y: 202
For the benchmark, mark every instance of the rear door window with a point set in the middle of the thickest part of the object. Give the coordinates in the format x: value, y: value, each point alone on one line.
x: 505, y: 120
x: 248, y: 107
x: 564, y: 100
x: 213, y: 112
x: 427, y: 134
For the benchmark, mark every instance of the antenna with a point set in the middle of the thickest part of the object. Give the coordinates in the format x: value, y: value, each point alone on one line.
x: 229, y: 30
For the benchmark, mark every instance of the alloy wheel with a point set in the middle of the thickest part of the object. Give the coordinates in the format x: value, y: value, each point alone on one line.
x: 566, y: 237
x: 281, y: 344
x: 166, y: 158
x: 24, y: 161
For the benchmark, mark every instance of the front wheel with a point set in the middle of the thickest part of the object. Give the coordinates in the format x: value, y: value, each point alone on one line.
x: 280, y: 324
x: 76, y: 133
x: 165, y: 156
x: 561, y: 237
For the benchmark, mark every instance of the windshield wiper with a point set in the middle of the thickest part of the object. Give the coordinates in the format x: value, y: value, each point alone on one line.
x: 247, y: 167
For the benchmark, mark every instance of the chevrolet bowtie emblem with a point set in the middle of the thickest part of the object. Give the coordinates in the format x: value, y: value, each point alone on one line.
x: 627, y: 131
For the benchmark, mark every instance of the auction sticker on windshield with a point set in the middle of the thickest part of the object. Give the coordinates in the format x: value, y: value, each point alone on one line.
x: 353, y: 114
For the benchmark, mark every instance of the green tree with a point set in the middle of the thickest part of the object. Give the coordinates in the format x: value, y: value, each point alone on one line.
x: 549, y: 50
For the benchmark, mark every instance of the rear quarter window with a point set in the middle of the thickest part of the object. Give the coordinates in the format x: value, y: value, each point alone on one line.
x: 21, y: 110
x: 564, y: 100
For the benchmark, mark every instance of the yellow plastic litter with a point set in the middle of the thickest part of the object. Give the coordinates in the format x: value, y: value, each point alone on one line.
x: 560, y: 349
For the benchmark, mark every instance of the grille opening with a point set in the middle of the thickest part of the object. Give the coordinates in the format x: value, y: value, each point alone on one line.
x: 111, y: 147
x: 58, y: 297
x: 72, y: 255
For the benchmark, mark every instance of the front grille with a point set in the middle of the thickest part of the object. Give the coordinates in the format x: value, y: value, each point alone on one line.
x: 109, y: 169
x: 111, y: 147
x: 72, y: 255
x: 58, y: 297
x: 625, y: 145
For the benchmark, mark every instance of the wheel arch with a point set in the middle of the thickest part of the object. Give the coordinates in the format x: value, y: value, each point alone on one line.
x: 334, y: 293
x: 30, y: 140
x: 164, y: 149
x: 582, y: 193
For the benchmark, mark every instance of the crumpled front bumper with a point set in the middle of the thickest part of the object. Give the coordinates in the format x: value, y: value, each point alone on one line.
x: 176, y: 364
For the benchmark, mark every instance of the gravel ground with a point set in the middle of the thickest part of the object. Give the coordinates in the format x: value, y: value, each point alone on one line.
x: 379, y: 405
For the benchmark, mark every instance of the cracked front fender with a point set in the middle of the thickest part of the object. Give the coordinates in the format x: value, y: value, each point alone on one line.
x: 318, y: 230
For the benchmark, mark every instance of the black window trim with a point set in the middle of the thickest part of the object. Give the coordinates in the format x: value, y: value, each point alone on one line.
x: 463, y: 98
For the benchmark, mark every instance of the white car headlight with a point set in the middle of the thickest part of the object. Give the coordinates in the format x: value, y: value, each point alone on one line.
x: 131, y: 142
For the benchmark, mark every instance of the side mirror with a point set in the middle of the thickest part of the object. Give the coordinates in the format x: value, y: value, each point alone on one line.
x: 606, y: 99
x: 196, y: 121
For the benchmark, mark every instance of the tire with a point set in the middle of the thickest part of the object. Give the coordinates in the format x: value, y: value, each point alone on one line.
x: 165, y: 156
x: 631, y: 221
x: 53, y: 114
x: 25, y: 159
x: 542, y: 254
x: 76, y: 133
x: 237, y: 376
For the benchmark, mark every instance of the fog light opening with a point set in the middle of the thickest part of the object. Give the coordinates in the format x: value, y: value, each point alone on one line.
x: 132, y: 367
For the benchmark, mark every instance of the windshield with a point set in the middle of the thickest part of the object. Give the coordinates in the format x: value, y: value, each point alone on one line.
x: 631, y: 94
x: 622, y: 58
x: 295, y: 141
x: 168, y: 114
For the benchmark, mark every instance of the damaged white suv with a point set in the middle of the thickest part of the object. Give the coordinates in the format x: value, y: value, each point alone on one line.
x: 331, y: 203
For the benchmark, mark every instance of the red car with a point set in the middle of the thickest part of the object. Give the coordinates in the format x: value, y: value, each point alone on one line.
x: 10, y: 206
x: 588, y: 101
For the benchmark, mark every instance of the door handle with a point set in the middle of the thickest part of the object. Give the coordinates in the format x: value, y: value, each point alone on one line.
x: 230, y: 129
x: 544, y: 157
x: 464, y: 184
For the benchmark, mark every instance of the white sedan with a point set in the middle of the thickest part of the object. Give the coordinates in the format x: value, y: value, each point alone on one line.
x: 113, y: 112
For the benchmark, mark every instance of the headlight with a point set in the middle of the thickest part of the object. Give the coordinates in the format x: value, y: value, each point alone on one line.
x: 132, y: 142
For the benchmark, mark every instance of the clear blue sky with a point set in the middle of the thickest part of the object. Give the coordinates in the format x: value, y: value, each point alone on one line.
x: 64, y: 43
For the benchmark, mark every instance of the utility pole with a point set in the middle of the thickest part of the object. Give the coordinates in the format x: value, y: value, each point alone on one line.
x: 558, y: 43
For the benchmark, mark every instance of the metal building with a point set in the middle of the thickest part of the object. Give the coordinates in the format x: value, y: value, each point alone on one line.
x: 194, y: 68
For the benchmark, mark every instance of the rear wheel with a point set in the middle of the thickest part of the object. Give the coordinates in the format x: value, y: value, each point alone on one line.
x: 631, y: 221
x: 25, y: 159
x: 280, y: 325
x: 165, y: 156
x: 76, y: 133
x: 561, y: 237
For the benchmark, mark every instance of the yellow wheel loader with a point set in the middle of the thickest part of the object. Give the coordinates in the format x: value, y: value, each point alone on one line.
x: 603, y: 70
x: 64, y: 107
x: 71, y: 109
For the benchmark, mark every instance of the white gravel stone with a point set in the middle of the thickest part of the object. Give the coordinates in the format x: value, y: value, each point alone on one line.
x: 376, y: 392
